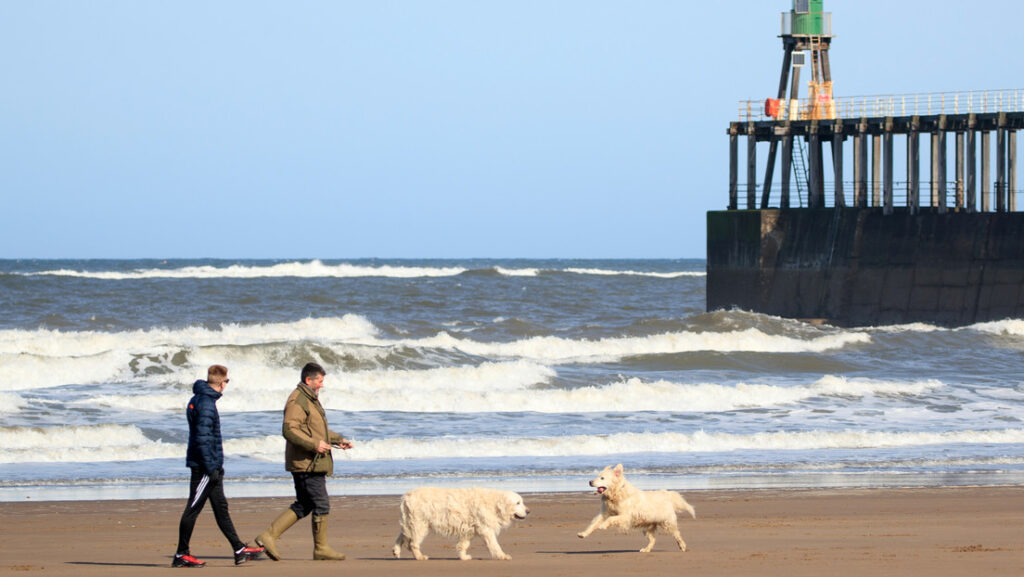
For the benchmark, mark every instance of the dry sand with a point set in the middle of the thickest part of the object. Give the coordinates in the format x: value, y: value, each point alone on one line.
x: 863, y: 532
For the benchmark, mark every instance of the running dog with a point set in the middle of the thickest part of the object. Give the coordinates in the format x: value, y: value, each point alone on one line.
x: 461, y: 513
x: 625, y: 507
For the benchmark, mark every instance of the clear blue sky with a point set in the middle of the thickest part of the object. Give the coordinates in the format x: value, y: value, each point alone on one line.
x: 417, y: 128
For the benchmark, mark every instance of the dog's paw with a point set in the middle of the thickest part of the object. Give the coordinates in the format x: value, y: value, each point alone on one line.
x: 581, y: 535
x: 505, y: 557
x: 466, y: 557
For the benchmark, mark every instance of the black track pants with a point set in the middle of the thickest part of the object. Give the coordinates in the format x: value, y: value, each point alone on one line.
x: 200, y: 489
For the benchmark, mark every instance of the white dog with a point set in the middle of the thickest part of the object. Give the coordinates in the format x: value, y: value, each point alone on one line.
x: 461, y: 513
x: 625, y: 507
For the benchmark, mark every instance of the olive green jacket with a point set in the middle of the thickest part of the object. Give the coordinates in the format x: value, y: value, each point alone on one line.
x: 305, y: 423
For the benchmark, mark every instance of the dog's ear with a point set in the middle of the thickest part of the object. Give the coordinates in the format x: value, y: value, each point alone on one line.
x: 618, y: 470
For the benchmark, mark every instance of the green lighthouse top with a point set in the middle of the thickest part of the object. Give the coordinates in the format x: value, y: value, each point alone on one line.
x: 807, y: 18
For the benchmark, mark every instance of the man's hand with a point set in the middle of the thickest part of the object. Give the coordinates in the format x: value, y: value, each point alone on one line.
x: 323, y: 447
x: 346, y: 444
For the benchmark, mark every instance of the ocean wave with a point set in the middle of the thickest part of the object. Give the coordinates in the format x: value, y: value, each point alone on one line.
x: 563, y: 350
x: 905, y: 328
x: 49, y: 358
x: 10, y: 403
x: 312, y: 269
x: 510, y: 387
x: 379, y: 393
x: 523, y: 272
x: 318, y: 269
x: 55, y: 343
x: 633, y: 395
x: 89, y: 357
x: 82, y: 444
x: 483, y: 388
x: 33, y: 371
x: 603, y: 272
x: 624, y: 443
x: 1006, y: 327
x: 101, y: 443
x: 533, y: 272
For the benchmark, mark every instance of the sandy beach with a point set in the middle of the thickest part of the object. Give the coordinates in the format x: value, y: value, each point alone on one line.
x: 856, y: 532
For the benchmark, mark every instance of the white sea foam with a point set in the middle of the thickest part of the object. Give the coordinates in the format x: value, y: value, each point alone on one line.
x: 484, y: 388
x: 24, y: 371
x: 635, y: 395
x: 82, y: 444
x: 905, y: 328
x: 147, y: 403
x: 532, y: 272
x: 56, y: 343
x: 312, y: 269
x: 317, y: 269
x: 525, y: 272
x: 100, y: 357
x: 1008, y: 327
x: 517, y: 386
x: 832, y: 385
x: 102, y: 443
x: 561, y: 350
x: 379, y: 392
x: 270, y: 448
x: 10, y: 403
x: 602, y: 272
x: 47, y: 358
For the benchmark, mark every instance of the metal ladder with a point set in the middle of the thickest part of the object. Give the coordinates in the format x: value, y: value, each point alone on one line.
x: 800, y: 170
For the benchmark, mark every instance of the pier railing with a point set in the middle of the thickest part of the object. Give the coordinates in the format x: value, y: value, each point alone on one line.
x: 927, y: 104
x: 953, y: 199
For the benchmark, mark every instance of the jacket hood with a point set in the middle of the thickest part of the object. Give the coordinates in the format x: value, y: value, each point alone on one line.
x: 201, y: 387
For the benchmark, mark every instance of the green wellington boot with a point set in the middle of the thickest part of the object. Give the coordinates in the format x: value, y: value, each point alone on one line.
x: 321, y: 550
x: 268, y: 538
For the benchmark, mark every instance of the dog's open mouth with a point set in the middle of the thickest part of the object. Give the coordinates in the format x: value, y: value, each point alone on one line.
x: 600, y: 490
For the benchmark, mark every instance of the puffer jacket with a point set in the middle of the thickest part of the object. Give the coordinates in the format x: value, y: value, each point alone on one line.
x: 305, y: 423
x: 205, y: 447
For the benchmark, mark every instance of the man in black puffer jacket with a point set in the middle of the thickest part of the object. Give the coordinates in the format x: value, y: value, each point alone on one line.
x: 206, y: 459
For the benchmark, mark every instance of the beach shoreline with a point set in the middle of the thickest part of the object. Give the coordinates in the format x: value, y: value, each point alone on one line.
x: 837, y: 532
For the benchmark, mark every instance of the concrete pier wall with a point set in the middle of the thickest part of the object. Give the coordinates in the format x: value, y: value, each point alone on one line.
x: 859, y: 267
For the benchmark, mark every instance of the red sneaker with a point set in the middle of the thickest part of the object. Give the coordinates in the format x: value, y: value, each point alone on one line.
x: 187, y: 561
x: 246, y: 553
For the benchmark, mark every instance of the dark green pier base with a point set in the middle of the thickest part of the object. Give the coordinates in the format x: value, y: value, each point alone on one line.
x: 858, y: 267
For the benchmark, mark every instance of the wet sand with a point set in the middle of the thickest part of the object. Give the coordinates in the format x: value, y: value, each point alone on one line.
x: 856, y: 532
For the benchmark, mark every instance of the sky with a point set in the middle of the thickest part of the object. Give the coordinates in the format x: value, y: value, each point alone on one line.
x: 417, y: 128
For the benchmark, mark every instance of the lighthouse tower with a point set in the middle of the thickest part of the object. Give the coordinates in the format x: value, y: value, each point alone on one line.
x: 806, y: 31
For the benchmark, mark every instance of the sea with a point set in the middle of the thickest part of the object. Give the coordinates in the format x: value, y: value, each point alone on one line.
x: 523, y: 374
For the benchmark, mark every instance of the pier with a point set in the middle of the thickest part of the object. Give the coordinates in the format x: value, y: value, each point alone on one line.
x: 981, y: 177
x: 895, y: 239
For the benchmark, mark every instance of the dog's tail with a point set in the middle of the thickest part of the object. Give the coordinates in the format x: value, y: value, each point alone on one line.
x: 681, y: 505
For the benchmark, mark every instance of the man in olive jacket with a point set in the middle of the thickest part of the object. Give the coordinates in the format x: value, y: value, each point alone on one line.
x: 307, y: 456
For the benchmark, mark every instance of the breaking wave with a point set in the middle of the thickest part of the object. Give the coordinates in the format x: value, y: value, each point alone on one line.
x: 318, y: 269
x: 102, y: 443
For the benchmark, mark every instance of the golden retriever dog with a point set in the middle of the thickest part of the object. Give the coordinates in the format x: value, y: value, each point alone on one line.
x: 625, y: 507
x: 459, y: 513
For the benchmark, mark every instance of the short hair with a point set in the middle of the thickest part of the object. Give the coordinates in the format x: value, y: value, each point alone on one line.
x: 216, y: 374
x: 311, y: 370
